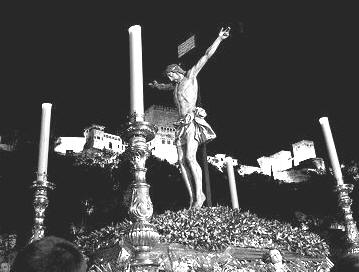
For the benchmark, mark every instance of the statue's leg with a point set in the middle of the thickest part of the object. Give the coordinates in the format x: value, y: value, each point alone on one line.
x: 191, y: 150
x: 186, y: 174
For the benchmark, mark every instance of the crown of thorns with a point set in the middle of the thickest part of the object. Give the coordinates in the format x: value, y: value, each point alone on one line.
x: 174, y: 68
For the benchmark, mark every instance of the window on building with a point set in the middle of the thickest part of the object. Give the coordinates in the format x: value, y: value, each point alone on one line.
x: 163, y: 141
x: 110, y: 145
x: 168, y: 142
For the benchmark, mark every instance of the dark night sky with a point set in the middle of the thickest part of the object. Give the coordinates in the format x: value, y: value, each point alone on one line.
x: 263, y: 90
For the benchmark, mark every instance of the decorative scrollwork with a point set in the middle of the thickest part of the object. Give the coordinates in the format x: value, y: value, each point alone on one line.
x: 138, y: 158
x: 351, y: 229
x: 40, y: 203
x: 141, y: 206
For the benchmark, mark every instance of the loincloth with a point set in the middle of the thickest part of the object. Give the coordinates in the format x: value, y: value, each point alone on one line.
x: 194, y: 121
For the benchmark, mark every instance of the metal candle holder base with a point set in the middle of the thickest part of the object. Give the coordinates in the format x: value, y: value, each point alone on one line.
x: 41, y: 201
x: 352, y: 236
x: 142, y: 236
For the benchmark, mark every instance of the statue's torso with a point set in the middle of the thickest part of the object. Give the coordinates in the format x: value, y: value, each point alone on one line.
x: 185, y: 95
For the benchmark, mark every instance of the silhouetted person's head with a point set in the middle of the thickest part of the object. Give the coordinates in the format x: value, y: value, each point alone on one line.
x: 50, y: 254
x: 348, y: 263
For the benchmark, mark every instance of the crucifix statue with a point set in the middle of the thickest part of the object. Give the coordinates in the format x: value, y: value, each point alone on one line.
x: 191, y: 128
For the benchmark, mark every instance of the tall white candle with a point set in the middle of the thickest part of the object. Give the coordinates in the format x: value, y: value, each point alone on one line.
x: 232, y: 183
x: 324, y: 122
x: 136, y: 77
x: 44, y: 139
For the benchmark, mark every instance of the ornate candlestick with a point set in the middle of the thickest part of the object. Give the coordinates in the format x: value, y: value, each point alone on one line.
x: 352, y: 236
x: 142, y: 235
x: 343, y: 189
x: 41, y: 201
x: 41, y: 184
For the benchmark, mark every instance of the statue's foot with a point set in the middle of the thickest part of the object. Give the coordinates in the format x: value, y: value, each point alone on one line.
x: 199, y: 202
x: 190, y: 203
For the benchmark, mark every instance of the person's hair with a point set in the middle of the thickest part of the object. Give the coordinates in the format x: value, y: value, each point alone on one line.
x: 51, y: 253
x: 347, y: 263
x: 174, y: 68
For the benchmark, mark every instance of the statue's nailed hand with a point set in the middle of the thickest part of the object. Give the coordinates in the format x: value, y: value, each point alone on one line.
x: 161, y: 86
x: 224, y: 33
x: 153, y: 84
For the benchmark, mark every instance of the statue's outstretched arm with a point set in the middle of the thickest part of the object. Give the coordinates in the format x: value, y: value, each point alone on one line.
x: 161, y: 86
x: 223, y: 34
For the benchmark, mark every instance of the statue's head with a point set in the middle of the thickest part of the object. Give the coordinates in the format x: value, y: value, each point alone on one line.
x: 175, y: 68
x: 174, y: 72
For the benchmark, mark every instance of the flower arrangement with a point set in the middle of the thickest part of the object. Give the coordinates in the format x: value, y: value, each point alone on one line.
x: 214, y: 229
